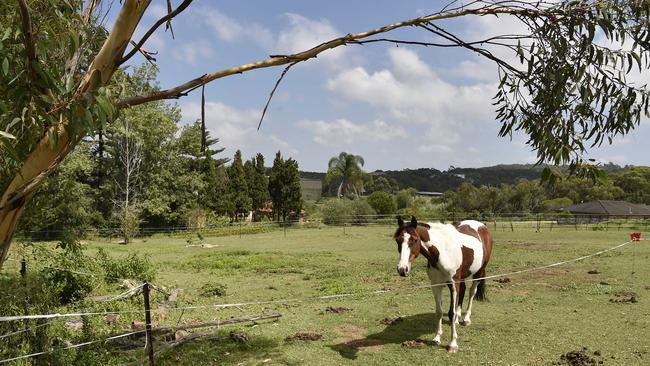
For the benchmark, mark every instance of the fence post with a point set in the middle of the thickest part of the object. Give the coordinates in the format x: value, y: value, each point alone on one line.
x: 23, y: 280
x: 147, y: 319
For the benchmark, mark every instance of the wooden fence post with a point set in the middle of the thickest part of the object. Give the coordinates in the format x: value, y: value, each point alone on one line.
x: 147, y: 319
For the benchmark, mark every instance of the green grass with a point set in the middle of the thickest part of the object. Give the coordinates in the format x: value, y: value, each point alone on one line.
x: 531, y: 320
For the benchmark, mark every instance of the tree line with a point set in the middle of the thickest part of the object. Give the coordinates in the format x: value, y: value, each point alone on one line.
x: 143, y: 168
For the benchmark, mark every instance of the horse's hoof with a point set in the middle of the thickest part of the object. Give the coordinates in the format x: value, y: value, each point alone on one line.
x: 466, y: 322
x: 436, y: 341
x: 452, y: 349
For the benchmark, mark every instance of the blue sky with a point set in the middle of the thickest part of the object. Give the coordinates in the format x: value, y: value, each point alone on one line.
x: 398, y: 107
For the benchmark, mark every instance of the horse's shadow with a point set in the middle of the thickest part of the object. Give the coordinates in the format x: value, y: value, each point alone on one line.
x: 407, y: 329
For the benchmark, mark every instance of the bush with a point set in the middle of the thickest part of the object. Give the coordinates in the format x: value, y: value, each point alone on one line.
x: 133, y: 266
x: 404, y: 198
x: 211, y: 289
x: 67, y: 285
x: 341, y: 211
x: 382, y: 202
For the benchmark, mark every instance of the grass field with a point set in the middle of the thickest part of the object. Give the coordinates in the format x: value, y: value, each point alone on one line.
x: 531, y: 320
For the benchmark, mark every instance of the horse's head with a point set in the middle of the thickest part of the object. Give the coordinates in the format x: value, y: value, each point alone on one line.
x: 408, y: 244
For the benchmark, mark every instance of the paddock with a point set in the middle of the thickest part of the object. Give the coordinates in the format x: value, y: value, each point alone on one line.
x: 598, y: 306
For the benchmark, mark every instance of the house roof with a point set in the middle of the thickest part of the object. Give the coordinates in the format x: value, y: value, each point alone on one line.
x: 609, y: 208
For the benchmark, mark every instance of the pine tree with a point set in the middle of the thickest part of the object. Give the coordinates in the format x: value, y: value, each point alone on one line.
x: 257, y: 182
x: 239, y: 196
x: 284, y: 187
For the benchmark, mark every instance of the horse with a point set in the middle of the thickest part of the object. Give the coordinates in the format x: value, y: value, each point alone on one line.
x: 454, y: 253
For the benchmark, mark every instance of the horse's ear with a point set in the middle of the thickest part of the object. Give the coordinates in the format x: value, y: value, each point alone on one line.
x: 400, y: 222
x: 414, y: 221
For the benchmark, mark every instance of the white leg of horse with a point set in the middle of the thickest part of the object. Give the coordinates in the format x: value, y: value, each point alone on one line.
x: 472, y: 294
x: 453, y: 345
x: 437, y: 293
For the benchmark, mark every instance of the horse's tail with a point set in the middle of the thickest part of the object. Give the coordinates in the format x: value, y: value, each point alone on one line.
x: 480, y: 291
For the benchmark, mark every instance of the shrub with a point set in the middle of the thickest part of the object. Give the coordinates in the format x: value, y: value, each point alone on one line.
x: 404, y: 198
x: 133, y: 266
x: 340, y: 211
x: 382, y: 202
x: 62, y: 271
x: 211, y: 289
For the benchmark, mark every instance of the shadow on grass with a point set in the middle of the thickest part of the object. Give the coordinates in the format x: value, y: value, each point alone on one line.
x: 409, y: 328
x: 223, y: 351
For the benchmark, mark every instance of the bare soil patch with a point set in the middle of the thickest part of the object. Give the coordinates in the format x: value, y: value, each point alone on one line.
x: 593, y: 271
x: 353, y: 336
x: 625, y: 297
x: 502, y: 280
x: 580, y: 358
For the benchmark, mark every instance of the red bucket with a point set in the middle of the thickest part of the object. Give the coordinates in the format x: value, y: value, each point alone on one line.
x: 635, y: 236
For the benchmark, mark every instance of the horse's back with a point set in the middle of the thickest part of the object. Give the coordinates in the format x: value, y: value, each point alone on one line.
x: 480, y: 231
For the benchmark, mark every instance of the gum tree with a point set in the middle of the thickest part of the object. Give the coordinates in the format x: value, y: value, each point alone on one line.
x: 566, y: 91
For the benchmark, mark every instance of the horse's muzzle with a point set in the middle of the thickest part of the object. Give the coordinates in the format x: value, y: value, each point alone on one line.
x: 403, y: 271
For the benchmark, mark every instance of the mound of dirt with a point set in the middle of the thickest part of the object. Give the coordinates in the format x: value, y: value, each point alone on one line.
x: 337, y: 310
x: 580, y: 358
x: 391, y: 321
x: 305, y: 336
x: 415, y: 343
x: 503, y: 280
x: 625, y: 297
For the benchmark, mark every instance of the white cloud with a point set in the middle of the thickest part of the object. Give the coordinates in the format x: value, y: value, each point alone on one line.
x: 157, y: 11
x: 304, y: 33
x: 236, y: 128
x: 283, y: 145
x: 344, y: 131
x: 230, y: 125
x: 229, y: 29
x: 411, y: 92
x: 191, y: 52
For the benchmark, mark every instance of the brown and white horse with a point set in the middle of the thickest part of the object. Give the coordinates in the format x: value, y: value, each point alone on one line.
x: 454, y: 253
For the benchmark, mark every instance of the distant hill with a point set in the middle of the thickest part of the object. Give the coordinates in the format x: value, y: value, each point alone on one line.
x: 434, y: 180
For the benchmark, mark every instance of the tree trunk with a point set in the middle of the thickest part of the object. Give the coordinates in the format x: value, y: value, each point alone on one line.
x: 47, y: 156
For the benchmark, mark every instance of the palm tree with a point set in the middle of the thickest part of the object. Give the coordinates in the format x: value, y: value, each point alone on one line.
x: 348, y: 167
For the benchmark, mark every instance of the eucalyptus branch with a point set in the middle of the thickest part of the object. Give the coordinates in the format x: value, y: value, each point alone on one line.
x: 277, y: 60
x: 161, y: 21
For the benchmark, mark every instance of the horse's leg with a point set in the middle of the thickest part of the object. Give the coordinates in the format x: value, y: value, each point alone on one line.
x: 459, y: 306
x: 472, y: 293
x: 437, y: 293
x: 453, y: 345
x: 450, y: 313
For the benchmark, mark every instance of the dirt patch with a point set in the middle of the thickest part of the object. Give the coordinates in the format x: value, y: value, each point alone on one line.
x: 353, y: 337
x: 580, y: 358
x: 593, y: 271
x: 363, y: 345
x: 502, y: 280
x: 337, y: 310
x: 391, y: 321
x: 415, y: 343
x: 351, y: 331
x: 305, y: 336
x: 625, y: 297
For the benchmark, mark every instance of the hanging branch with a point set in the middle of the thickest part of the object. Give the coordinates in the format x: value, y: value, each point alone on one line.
x: 169, y: 21
x: 28, y: 33
x: 268, y: 101
x: 160, y: 21
x: 203, y: 142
